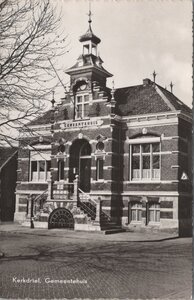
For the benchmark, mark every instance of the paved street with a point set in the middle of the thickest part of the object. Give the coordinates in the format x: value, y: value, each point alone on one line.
x: 84, y: 265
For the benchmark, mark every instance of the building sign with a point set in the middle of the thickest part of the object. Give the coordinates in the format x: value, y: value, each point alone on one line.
x: 78, y: 124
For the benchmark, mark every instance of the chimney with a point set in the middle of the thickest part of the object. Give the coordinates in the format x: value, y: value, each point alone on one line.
x: 146, y: 81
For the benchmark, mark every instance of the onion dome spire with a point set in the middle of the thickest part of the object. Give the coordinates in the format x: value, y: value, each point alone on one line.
x: 89, y: 35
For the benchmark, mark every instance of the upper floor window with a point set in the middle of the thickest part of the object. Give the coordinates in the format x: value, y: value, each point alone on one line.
x: 82, y: 106
x: 40, y: 166
x: 99, y: 169
x: 145, y: 161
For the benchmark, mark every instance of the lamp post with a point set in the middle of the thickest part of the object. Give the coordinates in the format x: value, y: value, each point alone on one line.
x: 32, y: 213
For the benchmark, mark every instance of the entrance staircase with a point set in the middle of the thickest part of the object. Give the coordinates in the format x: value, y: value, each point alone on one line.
x: 85, y: 210
x: 89, y: 206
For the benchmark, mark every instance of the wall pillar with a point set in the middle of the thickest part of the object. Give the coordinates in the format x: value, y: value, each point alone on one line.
x: 98, y: 212
x: 49, y: 189
x: 75, y: 193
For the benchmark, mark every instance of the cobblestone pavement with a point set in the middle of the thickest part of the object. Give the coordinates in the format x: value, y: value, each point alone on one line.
x: 94, y: 266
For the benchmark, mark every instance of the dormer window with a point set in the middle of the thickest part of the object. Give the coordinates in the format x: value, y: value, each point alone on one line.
x: 82, y: 106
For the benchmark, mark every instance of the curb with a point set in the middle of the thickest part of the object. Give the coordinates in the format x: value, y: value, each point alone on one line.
x: 139, y: 239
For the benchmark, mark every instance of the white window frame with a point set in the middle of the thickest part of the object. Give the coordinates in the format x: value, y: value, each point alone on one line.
x: 81, y: 104
x: 136, y: 206
x: 142, y: 142
x: 38, y: 156
x: 155, y: 210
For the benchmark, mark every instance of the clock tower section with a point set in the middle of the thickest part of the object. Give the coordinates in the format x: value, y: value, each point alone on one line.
x: 88, y: 75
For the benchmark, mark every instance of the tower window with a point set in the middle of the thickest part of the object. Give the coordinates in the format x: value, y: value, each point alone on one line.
x: 86, y: 49
x: 82, y: 106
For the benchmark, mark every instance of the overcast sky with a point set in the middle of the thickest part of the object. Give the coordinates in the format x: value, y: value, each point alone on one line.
x: 137, y: 37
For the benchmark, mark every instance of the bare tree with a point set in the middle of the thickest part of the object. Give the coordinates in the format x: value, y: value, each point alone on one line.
x: 30, y: 44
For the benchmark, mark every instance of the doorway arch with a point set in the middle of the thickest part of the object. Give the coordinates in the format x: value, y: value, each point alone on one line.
x: 61, y: 218
x: 80, y: 163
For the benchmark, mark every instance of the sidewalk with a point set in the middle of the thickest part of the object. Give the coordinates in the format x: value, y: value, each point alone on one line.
x: 128, y: 236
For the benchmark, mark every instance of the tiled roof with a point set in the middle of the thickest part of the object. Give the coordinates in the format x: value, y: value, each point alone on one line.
x: 135, y: 100
x: 88, y: 60
x: 145, y: 99
x: 41, y: 120
x: 5, y: 154
x: 178, y: 104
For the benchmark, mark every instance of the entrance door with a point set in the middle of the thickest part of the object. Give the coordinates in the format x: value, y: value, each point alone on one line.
x: 85, y: 173
x: 80, y: 163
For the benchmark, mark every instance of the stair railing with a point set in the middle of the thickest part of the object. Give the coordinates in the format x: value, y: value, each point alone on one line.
x: 39, y: 198
x: 94, y: 203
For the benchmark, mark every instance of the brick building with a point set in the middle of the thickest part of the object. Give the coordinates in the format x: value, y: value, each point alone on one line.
x: 106, y: 158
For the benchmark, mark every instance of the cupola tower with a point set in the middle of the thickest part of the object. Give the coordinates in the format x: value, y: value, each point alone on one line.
x: 88, y: 69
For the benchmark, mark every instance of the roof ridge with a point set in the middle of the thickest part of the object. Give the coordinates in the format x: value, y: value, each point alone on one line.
x: 181, y: 102
x: 164, y: 98
x: 126, y: 87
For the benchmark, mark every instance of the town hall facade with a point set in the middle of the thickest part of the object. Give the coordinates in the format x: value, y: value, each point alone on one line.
x: 107, y: 158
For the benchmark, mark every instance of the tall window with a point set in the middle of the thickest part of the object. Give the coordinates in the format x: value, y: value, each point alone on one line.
x: 99, y: 168
x: 154, y: 212
x: 136, y: 212
x: 61, y: 169
x: 40, y: 165
x: 145, y: 161
x: 82, y: 106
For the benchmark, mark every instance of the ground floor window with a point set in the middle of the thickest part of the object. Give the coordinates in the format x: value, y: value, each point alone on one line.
x: 136, y: 212
x: 154, y: 212
x: 148, y: 213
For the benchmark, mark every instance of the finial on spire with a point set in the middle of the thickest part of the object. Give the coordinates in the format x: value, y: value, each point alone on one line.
x: 90, y: 14
x: 154, y: 76
x: 171, y: 87
x: 53, y: 99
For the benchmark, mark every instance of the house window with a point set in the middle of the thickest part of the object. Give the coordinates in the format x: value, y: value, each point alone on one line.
x: 145, y: 161
x: 82, y: 106
x: 154, y: 212
x: 99, y: 168
x: 136, y: 212
x: 40, y: 166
